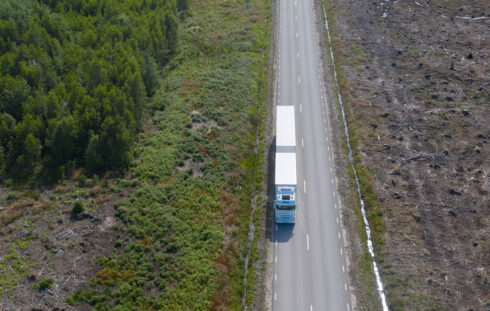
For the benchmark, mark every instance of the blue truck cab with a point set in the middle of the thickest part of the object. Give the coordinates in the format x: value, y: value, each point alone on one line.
x: 285, y: 204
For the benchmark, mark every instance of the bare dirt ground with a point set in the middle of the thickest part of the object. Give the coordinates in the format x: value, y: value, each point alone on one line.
x: 41, y: 240
x: 416, y: 80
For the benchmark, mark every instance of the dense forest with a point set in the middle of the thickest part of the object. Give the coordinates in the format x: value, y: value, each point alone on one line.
x: 74, y: 79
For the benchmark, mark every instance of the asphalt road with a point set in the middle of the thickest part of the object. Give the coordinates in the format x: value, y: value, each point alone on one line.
x: 309, y: 260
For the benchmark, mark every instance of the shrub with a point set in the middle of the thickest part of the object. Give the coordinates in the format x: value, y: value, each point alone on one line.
x: 44, y: 284
x: 81, y: 179
x: 78, y: 208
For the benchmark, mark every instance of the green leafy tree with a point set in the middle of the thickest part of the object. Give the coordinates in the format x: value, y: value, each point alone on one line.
x: 112, y: 149
x: 2, y: 160
x: 13, y: 92
x: 28, y: 126
x: 138, y: 94
x: 182, y: 5
x: 61, y: 140
x: 150, y: 74
x: 28, y: 160
x: 94, y: 161
x: 7, y: 129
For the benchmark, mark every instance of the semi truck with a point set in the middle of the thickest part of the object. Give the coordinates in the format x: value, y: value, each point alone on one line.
x: 285, y: 166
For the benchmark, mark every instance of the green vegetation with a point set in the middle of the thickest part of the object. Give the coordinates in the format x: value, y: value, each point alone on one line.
x: 74, y: 80
x: 13, y: 265
x: 197, y: 166
x: 78, y: 208
x: 44, y: 284
x: 79, y: 79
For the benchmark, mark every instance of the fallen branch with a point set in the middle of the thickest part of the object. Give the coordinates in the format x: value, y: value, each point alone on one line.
x: 392, y: 133
x: 473, y: 18
x: 421, y: 156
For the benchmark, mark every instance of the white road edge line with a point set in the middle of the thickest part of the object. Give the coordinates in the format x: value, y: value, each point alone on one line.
x: 343, y: 268
x: 275, y: 296
x: 300, y: 108
x: 308, y: 242
x: 311, y: 307
x: 340, y: 251
x: 339, y: 235
x: 302, y: 143
x: 275, y: 276
x: 275, y: 259
x: 297, y: 35
x: 337, y: 220
x: 299, y: 80
x: 345, y: 287
x: 348, y: 307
